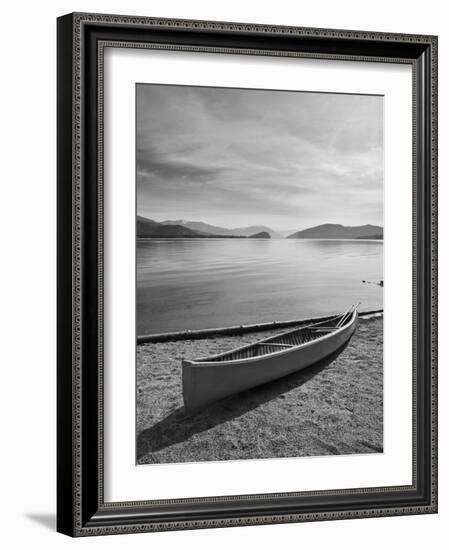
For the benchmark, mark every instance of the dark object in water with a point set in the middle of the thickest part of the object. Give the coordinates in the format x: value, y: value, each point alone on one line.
x: 209, y: 379
x: 380, y: 283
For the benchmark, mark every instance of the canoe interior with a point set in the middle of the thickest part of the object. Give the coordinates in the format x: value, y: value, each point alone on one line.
x: 285, y: 341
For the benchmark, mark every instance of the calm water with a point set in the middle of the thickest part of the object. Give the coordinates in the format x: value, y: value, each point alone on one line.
x: 203, y: 283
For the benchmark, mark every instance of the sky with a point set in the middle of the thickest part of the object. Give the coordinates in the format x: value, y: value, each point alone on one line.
x: 239, y: 157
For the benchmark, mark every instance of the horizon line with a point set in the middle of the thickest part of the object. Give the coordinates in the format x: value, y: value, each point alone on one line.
x: 253, y: 224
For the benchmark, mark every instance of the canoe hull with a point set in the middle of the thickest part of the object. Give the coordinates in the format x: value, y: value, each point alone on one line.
x: 207, y: 382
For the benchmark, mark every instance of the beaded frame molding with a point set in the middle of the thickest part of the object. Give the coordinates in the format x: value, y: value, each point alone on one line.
x: 82, y: 37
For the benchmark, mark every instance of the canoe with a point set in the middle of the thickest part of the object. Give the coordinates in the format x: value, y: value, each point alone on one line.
x: 209, y: 379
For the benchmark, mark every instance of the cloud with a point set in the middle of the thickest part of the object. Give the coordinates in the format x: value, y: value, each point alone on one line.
x: 237, y: 157
x: 154, y: 164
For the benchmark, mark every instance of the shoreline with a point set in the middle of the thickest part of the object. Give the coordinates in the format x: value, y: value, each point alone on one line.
x: 334, y: 407
x: 237, y: 329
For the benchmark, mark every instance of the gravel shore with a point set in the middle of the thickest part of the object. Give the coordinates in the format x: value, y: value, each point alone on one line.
x: 332, y: 408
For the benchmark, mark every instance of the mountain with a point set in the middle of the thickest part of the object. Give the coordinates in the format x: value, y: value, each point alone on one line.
x: 338, y: 231
x: 249, y: 231
x: 201, y: 227
x: 223, y: 231
x: 149, y: 228
x: 261, y: 235
x: 146, y: 221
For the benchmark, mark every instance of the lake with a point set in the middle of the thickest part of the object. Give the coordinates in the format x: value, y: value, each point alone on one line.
x: 206, y: 283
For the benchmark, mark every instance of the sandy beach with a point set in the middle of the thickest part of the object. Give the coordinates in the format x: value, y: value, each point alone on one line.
x: 332, y: 408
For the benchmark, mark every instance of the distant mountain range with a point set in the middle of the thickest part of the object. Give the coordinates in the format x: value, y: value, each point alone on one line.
x: 253, y: 229
x: 224, y: 231
x: 261, y: 235
x: 337, y: 231
x: 151, y: 229
x: 147, y: 228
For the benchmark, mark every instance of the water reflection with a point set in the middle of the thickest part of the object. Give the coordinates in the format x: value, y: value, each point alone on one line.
x: 200, y: 283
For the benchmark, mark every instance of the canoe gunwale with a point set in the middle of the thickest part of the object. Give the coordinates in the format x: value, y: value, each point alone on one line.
x: 212, y: 360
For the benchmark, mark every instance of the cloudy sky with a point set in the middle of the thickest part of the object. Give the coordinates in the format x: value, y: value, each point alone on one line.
x: 231, y: 157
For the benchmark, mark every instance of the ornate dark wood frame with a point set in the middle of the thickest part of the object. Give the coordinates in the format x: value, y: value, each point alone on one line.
x: 81, y: 509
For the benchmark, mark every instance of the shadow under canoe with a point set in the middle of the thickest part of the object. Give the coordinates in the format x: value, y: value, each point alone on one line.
x: 177, y: 427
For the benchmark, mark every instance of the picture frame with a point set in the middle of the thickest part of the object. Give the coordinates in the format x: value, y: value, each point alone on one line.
x: 81, y: 507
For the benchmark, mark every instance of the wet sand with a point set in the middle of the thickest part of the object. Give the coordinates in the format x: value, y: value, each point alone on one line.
x: 332, y: 408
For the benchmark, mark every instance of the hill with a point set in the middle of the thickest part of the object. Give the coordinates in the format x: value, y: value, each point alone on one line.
x: 261, y: 235
x: 224, y: 231
x: 200, y: 227
x: 146, y: 221
x: 254, y: 229
x: 147, y: 228
x: 338, y: 231
x: 150, y: 229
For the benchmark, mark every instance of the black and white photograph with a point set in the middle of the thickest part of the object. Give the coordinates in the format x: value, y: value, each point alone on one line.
x: 246, y: 283
x: 259, y: 261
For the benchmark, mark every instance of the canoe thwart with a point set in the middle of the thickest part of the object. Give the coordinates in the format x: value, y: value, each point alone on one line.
x: 275, y: 344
